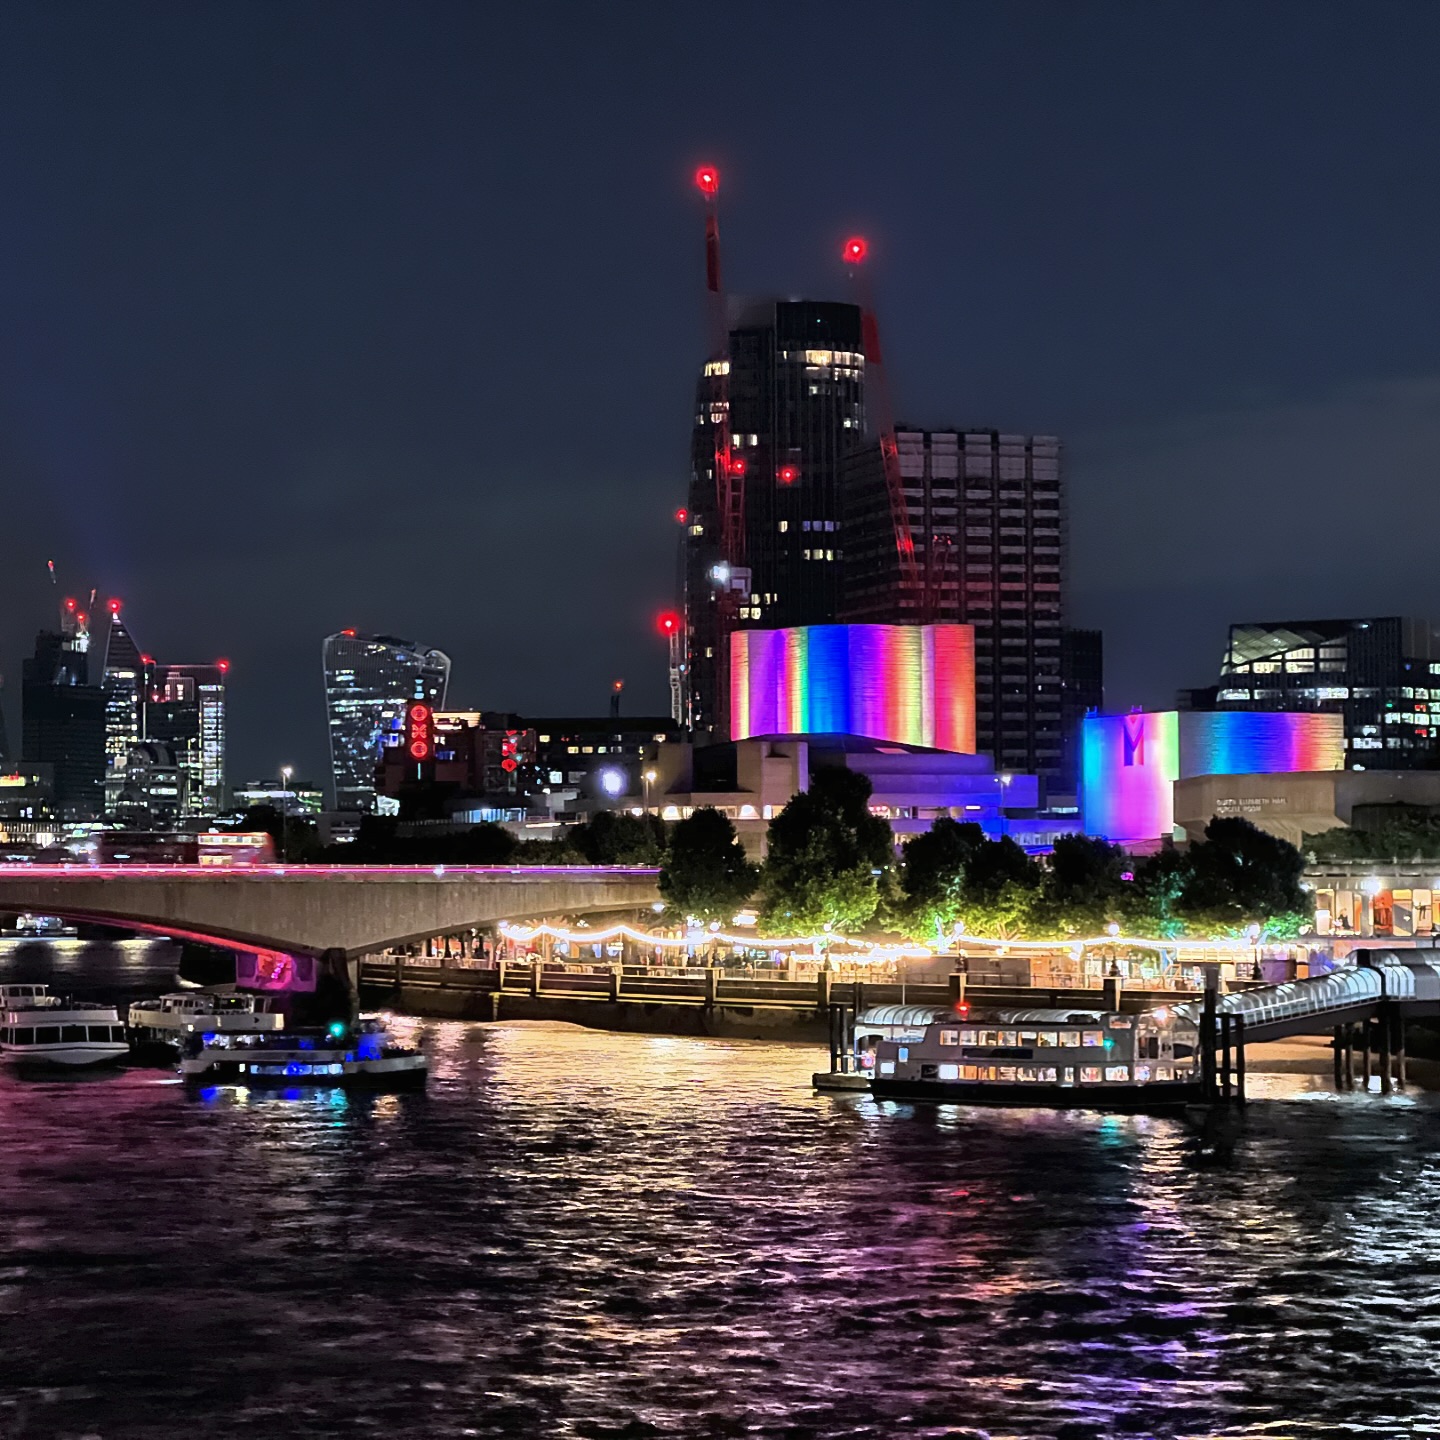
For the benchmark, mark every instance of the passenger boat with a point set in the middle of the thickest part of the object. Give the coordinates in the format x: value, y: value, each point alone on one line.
x: 167, y: 1020
x: 1091, y: 1059
x: 359, y: 1055
x: 38, y: 1028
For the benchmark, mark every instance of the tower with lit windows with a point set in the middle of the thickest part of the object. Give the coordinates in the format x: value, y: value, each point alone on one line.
x: 789, y: 397
x: 369, y: 682
x: 185, y: 710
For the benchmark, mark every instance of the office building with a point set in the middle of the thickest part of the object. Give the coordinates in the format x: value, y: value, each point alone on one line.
x: 986, y: 519
x: 63, y: 720
x: 149, y: 789
x: 1381, y: 675
x: 789, y: 398
x: 482, y: 768
x: 124, y: 683
x: 185, y: 710
x: 368, y: 681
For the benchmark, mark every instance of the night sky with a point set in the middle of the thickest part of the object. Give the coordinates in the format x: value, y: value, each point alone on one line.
x: 387, y: 316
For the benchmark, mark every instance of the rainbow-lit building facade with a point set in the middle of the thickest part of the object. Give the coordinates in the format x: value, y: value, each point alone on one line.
x: 1129, y: 763
x: 910, y: 684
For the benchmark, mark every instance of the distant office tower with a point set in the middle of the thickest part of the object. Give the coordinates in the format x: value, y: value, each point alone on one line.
x: 123, y: 681
x: 63, y: 720
x: 1082, y: 690
x: 987, y: 520
x: 147, y: 790
x: 790, y: 394
x: 185, y: 710
x: 1381, y: 674
x: 368, y: 680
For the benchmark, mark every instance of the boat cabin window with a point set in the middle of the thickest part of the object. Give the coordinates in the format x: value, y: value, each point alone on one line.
x: 1092, y: 1037
x: 1148, y: 1047
x: 1070, y: 1038
x: 108, y: 1033
x: 1117, y: 1072
x: 24, y: 1035
x: 47, y: 1035
x: 72, y: 1033
x: 1090, y: 1074
x: 949, y: 1037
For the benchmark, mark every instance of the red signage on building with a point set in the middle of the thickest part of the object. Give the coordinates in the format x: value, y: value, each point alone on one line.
x: 420, y: 731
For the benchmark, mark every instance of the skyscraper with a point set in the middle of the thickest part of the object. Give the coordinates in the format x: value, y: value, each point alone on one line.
x: 368, y: 680
x: 63, y: 719
x: 123, y: 681
x: 986, y: 518
x: 185, y: 710
x: 781, y: 408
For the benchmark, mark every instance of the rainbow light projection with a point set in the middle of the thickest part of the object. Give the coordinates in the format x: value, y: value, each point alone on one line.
x: 1129, y: 763
x: 911, y: 684
x: 1250, y: 742
x: 1128, y: 768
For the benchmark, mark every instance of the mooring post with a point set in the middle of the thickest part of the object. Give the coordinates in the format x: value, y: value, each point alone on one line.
x: 1365, y: 1057
x: 712, y: 986
x: 537, y: 969
x: 1240, y: 1059
x: 617, y: 981
x: 834, y: 1046
x: 1225, y: 1057
x: 1337, y: 1043
x: 1383, y: 1037
x: 822, y: 987
x: 1113, y: 985
x: 957, y: 988
x: 1400, y: 1024
x: 1349, y: 1056
x: 1207, y: 1036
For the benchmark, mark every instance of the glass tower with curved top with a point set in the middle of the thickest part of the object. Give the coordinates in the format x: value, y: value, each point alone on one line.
x: 368, y: 680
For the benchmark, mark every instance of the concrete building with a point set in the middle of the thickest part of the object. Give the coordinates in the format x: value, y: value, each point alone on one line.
x: 1301, y: 803
x: 63, y: 720
x: 986, y: 515
x: 751, y: 781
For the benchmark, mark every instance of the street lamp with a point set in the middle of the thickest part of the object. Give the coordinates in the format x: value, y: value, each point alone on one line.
x: 286, y: 771
x: 648, y: 777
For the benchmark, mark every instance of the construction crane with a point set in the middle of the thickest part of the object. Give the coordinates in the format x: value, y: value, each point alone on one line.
x: 877, y: 390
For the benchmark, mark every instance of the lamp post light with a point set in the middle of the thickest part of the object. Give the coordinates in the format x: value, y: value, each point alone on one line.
x: 286, y: 771
x: 648, y: 777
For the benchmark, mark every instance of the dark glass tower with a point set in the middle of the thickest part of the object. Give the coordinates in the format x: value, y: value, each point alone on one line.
x: 63, y: 722
x: 791, y: 393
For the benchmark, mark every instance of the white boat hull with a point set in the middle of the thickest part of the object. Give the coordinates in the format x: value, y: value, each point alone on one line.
x: 72, y: 1056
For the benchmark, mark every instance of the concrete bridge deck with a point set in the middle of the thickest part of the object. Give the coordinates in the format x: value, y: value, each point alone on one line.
x: 317, y: 909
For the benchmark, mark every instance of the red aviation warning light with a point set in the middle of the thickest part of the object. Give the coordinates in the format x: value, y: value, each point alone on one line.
x: 420, y: 730
x: 737, y: 465
x: 681, y: 515
x: 855, y: 250
x: 114, y: 607
x: 667, y: 622
x: 788, y: 474
x: 707, y: 180
x: 223, y: 666
x: 70, y: 606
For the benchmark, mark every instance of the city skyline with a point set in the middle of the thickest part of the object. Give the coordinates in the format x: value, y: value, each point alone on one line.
x: 1180, y: 278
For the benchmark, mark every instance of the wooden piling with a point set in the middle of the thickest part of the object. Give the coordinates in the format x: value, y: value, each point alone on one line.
x: 1207, y: 1038
x: 1400, y: 1025
x: 1364, y: 1029
x: 1240, y: 1059
x: 1382, y: 1026
x: 1337, y: 1044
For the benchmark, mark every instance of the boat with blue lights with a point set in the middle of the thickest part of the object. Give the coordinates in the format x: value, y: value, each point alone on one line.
x: 358, y: 1054
x: 1054, y: 1059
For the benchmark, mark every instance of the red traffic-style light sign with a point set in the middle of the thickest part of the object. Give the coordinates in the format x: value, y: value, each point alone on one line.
x: 855, y: 250
x: 788, y: 474
x: 707, y: 180
x: 510, y: 751
x: 420, y: 730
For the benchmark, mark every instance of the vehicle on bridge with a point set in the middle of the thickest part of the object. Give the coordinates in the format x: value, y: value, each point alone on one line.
x: 359, y: 1055
x: 40, y: 1029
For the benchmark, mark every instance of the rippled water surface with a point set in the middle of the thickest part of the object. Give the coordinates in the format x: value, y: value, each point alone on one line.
x: 585, y: 1234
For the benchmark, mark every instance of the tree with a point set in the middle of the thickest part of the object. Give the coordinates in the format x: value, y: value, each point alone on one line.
x: 1002, y: 890
x: 829, y: 860
x: 295, y: 840
x: 1083, y: 890
x: 611, y: 839
x: 1240, y: 876
x: 706, y: 872
x: 932, y: 878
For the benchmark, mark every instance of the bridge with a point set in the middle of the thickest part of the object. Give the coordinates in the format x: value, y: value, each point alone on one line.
x: 341, y: 912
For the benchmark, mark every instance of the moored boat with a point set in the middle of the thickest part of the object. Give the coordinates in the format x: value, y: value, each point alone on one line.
x: 359, y: 1055
x: 1092, y: 1060
x: 164, y: 1022
x: 40, y: 1029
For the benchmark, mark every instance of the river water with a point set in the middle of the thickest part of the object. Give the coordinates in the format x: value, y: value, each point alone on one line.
x: 580, y: 1234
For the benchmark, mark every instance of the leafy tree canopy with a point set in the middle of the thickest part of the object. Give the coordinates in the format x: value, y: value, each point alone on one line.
x: 706, y: 872
x: 827, y: 859
x: 611, y: 839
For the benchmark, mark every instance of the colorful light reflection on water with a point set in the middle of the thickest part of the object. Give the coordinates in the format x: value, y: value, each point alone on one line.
x: 584, y: 1234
